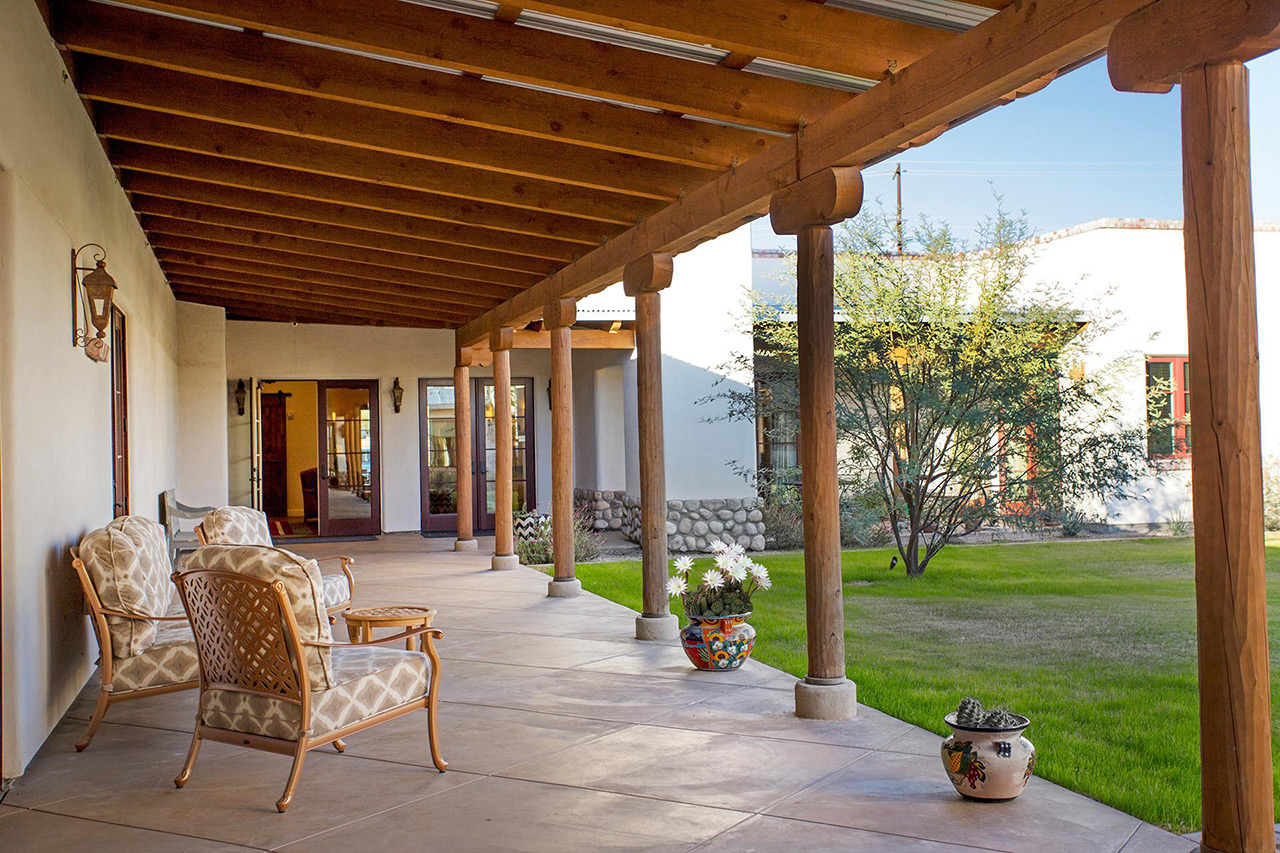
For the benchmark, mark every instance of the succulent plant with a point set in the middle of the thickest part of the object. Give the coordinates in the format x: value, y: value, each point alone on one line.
x: 971, y: 715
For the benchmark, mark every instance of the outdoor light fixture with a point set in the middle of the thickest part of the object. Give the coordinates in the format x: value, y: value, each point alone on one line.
x: 397, y: 394
x: 93, y: 292
x: 240, y: 395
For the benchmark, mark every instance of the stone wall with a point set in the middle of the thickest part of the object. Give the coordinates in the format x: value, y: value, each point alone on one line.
x: 692, y: 525
x: 605, y: 507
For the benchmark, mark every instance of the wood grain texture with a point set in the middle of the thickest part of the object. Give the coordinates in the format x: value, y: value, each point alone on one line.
x: 1226, y: 463
x: 462, y: 444
x: 827, y: 197
x: 820, y: 494
x: 562, y: 450
x: 653, y: 466
x: 503, y: 523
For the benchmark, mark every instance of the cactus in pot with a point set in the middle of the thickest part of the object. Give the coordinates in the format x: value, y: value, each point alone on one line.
x: 986, y: 757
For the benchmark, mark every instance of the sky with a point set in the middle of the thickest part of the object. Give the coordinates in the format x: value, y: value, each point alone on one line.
x: 1074, y: 152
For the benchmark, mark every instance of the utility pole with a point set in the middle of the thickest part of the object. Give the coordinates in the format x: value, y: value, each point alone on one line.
x: 897, y: 177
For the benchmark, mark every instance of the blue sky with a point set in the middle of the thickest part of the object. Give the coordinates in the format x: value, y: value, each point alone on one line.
x: 1074, y: 152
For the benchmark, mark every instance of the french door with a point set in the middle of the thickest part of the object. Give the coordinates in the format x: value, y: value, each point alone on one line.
x: 119, y: 415
x: 486, y: 449
x: 348, y: 491
x: 437, y: 455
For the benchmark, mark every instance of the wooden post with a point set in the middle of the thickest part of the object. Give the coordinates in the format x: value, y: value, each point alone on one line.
x: 466, y: 540
x: 808, y: 209
x: 645, y: 279
x: 503, y: 542
x: 1204, y: 47
x: 558, y: 318
x: 1226, y: 463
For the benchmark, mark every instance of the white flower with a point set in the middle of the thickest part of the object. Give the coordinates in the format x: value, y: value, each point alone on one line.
x: 738, y: 570
x: 737, y: 550
x: 761, y: 574
x: 683, y: 565
x: 717, y: 546
x: 713, y: 579
x: 677, y: 586
x: 724, y: 560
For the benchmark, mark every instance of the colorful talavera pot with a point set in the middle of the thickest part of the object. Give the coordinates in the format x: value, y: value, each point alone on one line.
x: 718, y: 643
x: 988, y: 764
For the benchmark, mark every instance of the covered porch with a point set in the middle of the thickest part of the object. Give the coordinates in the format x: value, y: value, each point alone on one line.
x: 562, y: 733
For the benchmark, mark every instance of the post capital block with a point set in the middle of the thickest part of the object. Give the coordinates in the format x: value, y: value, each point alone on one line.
x: 648, y: 274
x: 560, y: 313
x: 1151, y: 49
x: 824, y: 198
x: 502, y: 338
x: 466, y: 357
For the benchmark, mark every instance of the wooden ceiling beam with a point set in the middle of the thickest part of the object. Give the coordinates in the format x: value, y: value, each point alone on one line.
x: 1010, y: 50
x: 300, y: 311
x: 448, y: 290
x: 112, y: 31
x: 317, y: 296
x: 191, y: 177
x: 307, y: 117
x: 267, y: 275
x: 178, y: 264
x: 462, y: 42
x: 376, y: 167
x: 338, y: 252
x: 465, y: 257
x: 800, y: 32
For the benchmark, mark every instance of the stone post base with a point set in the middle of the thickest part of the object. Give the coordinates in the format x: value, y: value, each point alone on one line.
x: 464, y: 544
x: 837, y: 701
x: 657, y: 627
x: 566, y: 588
x: 504, y: 561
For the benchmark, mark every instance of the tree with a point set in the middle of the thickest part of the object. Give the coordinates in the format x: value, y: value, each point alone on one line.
x: 960, y: 388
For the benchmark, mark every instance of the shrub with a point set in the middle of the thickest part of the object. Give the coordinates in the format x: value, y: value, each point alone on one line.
x: 862, y: 523
x: 540, y: 549
x: 1072, y: 521
x: 1271, y: 494
x: 783, y: 525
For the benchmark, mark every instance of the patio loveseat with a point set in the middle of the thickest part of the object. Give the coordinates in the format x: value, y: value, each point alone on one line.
x: 242, y: 525
x: 271, y: 676
x: 145, y: 643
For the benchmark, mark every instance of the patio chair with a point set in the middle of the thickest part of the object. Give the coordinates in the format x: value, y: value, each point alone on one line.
x: 144, y: 641
x: 271, y: 676
x: 242, y: 525
x: 172, y: 511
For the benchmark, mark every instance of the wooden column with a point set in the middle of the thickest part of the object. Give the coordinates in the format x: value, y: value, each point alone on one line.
x: 466, y: 540
x: 1204, y: 46
x: 1226, y: 462
x: 558, y: 318
x: 500, y: 342
x: 645, y: 279
x: 808, y: 209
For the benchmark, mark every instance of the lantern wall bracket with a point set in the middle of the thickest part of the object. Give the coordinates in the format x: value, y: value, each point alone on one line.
x: 92, y: 294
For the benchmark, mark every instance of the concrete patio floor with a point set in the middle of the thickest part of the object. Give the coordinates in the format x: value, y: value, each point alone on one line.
x: 562, y: 733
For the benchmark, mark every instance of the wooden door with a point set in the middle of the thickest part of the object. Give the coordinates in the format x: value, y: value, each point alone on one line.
x: 437, y: 455
x: 485, y: 453
x: 119, y: 415
x: 348, y: 486
x: 275, y: 455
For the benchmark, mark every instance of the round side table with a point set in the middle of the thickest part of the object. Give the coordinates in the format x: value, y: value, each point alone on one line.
x: 361, y: 622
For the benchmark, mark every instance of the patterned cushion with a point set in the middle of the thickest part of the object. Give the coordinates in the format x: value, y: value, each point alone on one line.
x: 236, y: 525
x: 368, y: 681
x: 171, y: 659
x: 302, y: 584
x: 129, y: 566
x: 337, y: 589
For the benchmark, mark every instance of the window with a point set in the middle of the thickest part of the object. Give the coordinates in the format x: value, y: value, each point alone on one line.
x: 1168, y: 407
x: 778, y: 445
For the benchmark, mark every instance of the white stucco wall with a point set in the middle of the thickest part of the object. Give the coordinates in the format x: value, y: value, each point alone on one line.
x: 203, y: 405
x: 58, y: 191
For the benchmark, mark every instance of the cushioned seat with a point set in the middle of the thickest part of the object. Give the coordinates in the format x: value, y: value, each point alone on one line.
x: 281, y: 682
x: 242, y: 525
x: 146, y: 643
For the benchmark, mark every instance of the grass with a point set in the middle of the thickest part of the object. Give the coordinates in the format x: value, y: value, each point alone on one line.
x: 1094, y: 641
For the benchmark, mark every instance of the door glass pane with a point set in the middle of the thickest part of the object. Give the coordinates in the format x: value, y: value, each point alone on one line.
x: 519, y: 454
x: 442, y: 466
x: 348, y: 453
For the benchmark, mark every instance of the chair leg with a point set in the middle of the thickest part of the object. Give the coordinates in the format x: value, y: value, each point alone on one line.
x: 433, y: 738
x: 294, y: 773
x: 191, y: 758
x: 340, y: 745
x: 104, y: 699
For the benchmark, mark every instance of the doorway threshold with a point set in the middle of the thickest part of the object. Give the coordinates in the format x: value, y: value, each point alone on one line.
x: 320, y: 540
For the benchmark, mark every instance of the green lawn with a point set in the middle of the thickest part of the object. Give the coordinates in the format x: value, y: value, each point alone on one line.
x: 1094, y: 641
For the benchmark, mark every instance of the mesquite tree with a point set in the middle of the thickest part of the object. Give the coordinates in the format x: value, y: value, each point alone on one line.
x: 960, y: 388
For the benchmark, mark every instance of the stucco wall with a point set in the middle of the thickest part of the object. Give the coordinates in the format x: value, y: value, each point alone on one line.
x: 57, y: 191
x: 202, y: 405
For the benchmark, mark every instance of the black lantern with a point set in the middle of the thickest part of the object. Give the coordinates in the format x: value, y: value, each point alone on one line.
x: 240, y: 395
x: 397, y: 394
x: 94, y: 291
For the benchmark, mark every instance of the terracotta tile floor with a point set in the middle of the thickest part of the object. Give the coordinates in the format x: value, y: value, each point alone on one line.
x: 563, y: 734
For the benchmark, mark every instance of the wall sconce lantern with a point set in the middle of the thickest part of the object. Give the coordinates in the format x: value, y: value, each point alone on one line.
x: 94, y: 293
x: 397, y: 394
x: 240, y: 396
